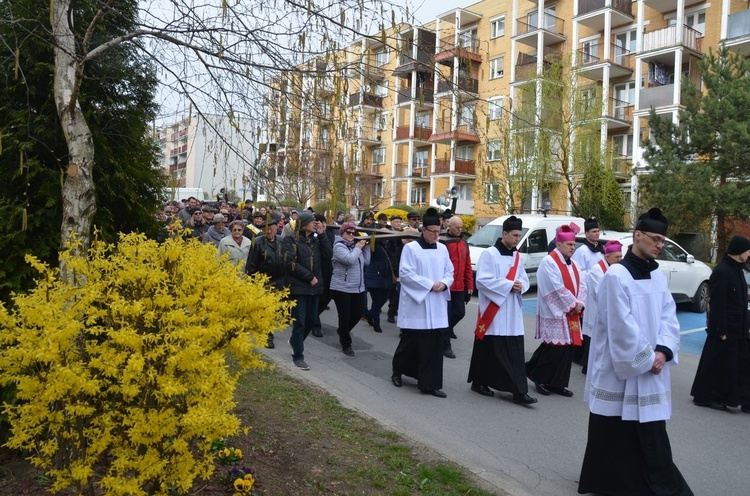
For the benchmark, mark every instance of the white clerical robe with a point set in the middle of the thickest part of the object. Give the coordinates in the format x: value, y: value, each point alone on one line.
x: 492, y: 269
x: 585, y: 258
x: 554, y: 301
x: 593, y: 279
x: 634, y: 316
x: 419, y: 306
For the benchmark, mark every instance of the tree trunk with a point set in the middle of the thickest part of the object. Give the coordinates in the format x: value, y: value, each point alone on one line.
x: 79, y: 202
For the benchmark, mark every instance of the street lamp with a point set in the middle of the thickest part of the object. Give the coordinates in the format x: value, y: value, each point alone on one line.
x: 546, y: 206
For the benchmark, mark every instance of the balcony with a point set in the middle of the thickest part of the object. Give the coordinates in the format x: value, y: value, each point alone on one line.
x: 465, y: 133
x: 365, y: 100
x: 366, y: 168
x: 529, y: 27
x: 179, y: 150
x: 592, y: 13
x: 465, y: 84
x: 466, y: 48
x: 366, y: 135
x: 619, y: 114
x: 621, y: 165
x: 407, y: 64
x: 655, y: 43
x: 590, y: 65
x: 443, y: 166
x: 417, y: 171
x: 420, y: 133
x: 425, y: 96
x: 372, y: 71
x: 738, y: 33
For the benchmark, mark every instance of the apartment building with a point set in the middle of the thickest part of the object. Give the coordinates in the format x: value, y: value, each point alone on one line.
x: 209, y: 152
x: 457, y: 102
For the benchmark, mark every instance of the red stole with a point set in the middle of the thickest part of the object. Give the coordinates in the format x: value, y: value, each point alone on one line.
x: 574, y: 319
x: 484, y: 320
x: 604, y: 266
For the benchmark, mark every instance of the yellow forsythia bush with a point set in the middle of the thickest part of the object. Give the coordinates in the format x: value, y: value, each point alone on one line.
x: 122, y: 368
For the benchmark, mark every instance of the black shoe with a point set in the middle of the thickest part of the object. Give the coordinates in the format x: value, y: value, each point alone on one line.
x: 377, y: 328
x: 448, y: 353
x: 562, y: 392
x: 542, y: 389
x: 317, y: 332
x: 269, y: 343
x: 369, y: 321
x: 453, y: 335
x: 391, y: 319
x: 523, y: 399
x: 715, y: 405
x: 396, y: 380
x: 483, y: 390
x: 745, y: 408
x: 436, y: 393
x: 348, y: 351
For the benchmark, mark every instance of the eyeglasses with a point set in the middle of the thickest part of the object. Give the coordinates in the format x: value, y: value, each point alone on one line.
x: 349, y: 232
x: 653, y: 237
x: 433, y: 231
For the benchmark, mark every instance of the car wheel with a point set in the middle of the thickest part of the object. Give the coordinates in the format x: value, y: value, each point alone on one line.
x: 700, y: 300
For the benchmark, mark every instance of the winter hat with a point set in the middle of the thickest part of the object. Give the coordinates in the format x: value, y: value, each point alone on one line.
x: 431, y: 218
x: 345, y: 226
x: 738, y: 245
x: 304, y: 219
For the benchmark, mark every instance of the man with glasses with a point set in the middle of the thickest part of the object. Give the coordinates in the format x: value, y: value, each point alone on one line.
x: 636, y: 336
x: 426, y: 274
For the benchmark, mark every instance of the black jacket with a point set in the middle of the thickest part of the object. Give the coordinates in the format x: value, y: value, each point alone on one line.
x: 266, y: 257
x: 303, y: 260
x: 727, y: 313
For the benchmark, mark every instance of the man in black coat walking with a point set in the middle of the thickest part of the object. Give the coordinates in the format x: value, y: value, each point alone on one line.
x: 723, y: 375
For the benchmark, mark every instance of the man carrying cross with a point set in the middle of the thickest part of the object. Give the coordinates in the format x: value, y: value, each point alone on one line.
x: 497, y: 360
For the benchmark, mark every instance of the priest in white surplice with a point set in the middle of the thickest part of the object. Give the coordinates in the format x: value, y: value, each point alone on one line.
x: 586, y: 257
x: 561, y: 292
x: 497, y: 360
x: 426, y: 274
x: 636, y: 337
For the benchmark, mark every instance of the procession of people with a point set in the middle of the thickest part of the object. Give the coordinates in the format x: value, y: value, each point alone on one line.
x: 606, y: 309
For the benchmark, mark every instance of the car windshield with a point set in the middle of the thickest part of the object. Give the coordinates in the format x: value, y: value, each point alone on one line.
x: 487, y: 236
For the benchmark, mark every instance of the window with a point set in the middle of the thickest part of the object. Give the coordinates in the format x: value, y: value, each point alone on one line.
x: 464, y: 191
x: 418, y: 194
x: 493, y: 150
x: 381, y: 121
x: 465, y: 152
x: 622, y: 145
x: 419, y: 159
x: 496, y: 108
x: 378, y: 189
x: 381, y: 58
x: 497, y: 26
x: 623, y: 101
x: 624, y: 45
x: 467, y: 117
x: 491, y: 192
x: 497, y: 67
x: 695, y: 20
x: 423, y: 119
x: 589, y: 52
x: 468, y: 39
x: 378, y: 156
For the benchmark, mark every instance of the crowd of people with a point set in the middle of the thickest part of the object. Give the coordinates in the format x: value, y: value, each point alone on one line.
x: 609, y: 311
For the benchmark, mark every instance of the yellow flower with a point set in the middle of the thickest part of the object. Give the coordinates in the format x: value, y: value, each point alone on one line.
x: 237, y: 453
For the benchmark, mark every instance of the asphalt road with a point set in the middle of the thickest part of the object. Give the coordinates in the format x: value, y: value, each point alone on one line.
x: 536, y: 450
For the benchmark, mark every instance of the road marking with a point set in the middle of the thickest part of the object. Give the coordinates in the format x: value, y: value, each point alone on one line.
x: 693, y: 331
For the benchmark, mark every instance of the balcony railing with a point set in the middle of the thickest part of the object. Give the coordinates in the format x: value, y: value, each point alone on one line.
x: 624, y: 6
x: 594, y: 53
x: 420, y: 133
x: 667, y: 37
x: 529, y: 24
x: 178, y: 150
x: 418, y: 169
x: 425, y: 95
x: 469, y: 85
x: 621, y: 164
x: 620, y: 110
x: 465, y: 44
x: 739, y: 24
x: 443, y: 166
x: 657, y: 96
x: 367, y: 99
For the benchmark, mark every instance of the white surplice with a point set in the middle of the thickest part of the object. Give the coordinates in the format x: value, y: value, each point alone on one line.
x: 419, y: 306
x: 492, y: 269
x: 554, y: 301
x: 593, y: 279
x: 634, y: 316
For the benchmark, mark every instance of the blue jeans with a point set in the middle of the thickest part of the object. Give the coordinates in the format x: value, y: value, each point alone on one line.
x: 304, y: 314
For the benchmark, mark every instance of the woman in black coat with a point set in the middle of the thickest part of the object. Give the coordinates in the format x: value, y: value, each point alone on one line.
x: 723, y: 375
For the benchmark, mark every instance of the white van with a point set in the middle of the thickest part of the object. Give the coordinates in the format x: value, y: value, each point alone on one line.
x: 538, y: 231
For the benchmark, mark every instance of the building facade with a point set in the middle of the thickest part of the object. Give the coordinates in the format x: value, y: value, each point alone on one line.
x: 463, y: 102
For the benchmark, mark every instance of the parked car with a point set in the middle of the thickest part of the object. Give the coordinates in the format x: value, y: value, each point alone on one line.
x: 686, y: 276
x: 538, y: 231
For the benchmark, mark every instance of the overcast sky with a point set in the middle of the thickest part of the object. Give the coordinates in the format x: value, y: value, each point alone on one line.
x: 427, y: 10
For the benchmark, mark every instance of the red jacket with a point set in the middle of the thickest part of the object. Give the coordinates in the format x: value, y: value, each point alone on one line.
x: 463, y: 278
